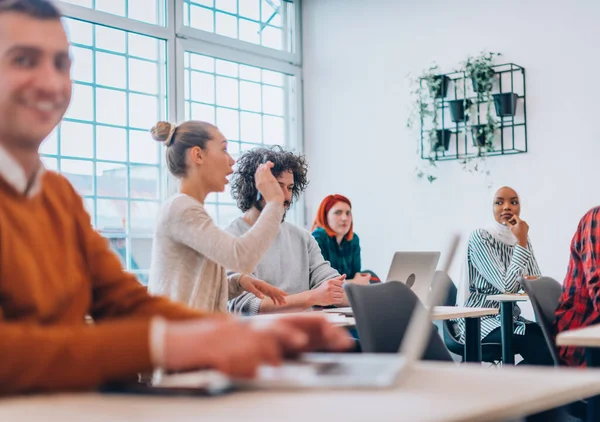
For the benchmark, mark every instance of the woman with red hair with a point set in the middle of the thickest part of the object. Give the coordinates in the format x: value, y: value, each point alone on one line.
x: 333, y: 231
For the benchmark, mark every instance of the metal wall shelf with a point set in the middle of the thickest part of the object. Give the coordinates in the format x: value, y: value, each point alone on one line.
x: 510, y: 134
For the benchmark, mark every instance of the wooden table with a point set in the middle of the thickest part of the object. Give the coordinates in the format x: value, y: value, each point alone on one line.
x: 588, y: 337
x: 507, y: 326
x: 432, y: 391
x: 472, y: 318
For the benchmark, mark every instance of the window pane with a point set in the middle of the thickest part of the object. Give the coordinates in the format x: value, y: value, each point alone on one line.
x: 145, y: 47
x: 228, y: 122
x: 111, y: 143
x: 274, y: 130
x: 150, y: 11
x: 203, y: 87
x: 199, y: 62
x: 111, y: 215
x: 144, y: 10
x: 250, y: 73
x: 110, y: 70
x: 143, y: 76
x: 251, y: 127
x: 227, y: 5
x: 253, y: 21
x: 110, y: 39
x: 111, y: 107
x: 249, y: 31
x: 203, y: 112
x: 116, y: 7
x: 250, y: 96
x: 272, y: 37
x: 227, y: 92
x: 144, y: 183
x: 250, y: 9
x: 202, y: 18
x: 227, y: 68
x: 111, y: 179
x: 80, y: 173
x: 83, y: 68
x: 77, y: 139
x: 143, y: 111
x: 273, y: 100
x: 142, y: 148
x: 226, y: 25
x: 82, y: 103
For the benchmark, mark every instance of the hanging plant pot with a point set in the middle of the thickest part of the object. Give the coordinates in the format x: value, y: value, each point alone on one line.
x: 506, y: 104
x: 457, y: 110
x: 441, y: 90
x: 442, y: 137
x: 479, y: 136
x: 483, y: 80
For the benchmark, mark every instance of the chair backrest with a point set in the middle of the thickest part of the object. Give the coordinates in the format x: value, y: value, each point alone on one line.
x: 383, y: 312
x: 449, y: 327
x: 544, y: 293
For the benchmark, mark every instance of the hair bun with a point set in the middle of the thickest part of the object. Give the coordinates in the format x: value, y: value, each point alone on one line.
x: 163, y: 132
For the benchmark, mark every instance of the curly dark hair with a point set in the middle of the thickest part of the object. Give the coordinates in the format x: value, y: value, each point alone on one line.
x: 243, y: 187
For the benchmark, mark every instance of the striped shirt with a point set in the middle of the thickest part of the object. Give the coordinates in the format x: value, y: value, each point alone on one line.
x: 495, y: 268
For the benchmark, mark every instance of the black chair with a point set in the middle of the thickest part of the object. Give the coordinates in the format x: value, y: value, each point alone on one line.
x: 490, y: 352
x: 382, y: 312
x: 544, y: 294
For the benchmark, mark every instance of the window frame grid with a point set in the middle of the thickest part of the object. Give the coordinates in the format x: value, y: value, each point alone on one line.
x: 179, y: 38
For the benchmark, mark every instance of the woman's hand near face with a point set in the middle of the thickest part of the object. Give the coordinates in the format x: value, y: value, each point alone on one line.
x: 520, y: 229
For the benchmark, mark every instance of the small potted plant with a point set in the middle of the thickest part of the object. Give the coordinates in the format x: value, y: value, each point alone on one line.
x: 505, y: 103
x: 481, y: 72
x: 438, y: 84
x: 459, y: 110
x: 483, y: 136
x: 442, y: 140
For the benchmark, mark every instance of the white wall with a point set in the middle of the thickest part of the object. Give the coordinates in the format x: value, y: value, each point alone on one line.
x: 356, y: 58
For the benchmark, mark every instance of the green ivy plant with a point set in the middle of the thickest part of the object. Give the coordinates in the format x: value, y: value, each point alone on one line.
x: 479, y: 69
x: 480, y: 72
x: 425, y: 88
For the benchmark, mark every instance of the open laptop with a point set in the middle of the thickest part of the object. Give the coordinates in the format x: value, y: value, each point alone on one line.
x: 415, y: 269
x: 365, y: 370
x: 325, y: 370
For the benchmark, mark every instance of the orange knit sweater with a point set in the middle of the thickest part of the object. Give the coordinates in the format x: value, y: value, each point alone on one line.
x: 54, y: 270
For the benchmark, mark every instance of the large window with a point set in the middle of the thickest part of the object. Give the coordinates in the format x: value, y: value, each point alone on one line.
x: 131, y: 68
x: 246, y: 102
x: 263, y: 22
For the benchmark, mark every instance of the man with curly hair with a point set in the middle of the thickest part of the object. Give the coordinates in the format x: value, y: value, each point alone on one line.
x: 294, y: 262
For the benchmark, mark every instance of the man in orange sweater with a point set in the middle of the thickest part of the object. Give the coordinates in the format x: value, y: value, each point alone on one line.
x: 55, y: 269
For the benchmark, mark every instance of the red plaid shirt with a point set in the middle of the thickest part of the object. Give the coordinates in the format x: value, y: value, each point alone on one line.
x: 579, y: 304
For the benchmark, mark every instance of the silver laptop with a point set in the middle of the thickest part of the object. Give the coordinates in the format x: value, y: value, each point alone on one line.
x: 416, y: 269
x: 364, y: 370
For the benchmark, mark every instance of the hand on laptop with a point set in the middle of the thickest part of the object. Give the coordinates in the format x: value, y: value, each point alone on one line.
x: 260, y: 289
x: 330, y: 292
x: 238, y: 348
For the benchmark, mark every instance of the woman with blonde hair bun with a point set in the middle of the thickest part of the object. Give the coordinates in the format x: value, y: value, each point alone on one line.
x: 190, y: 254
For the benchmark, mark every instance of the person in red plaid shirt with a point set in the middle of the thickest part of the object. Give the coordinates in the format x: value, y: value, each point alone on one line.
x: 579, y: 304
